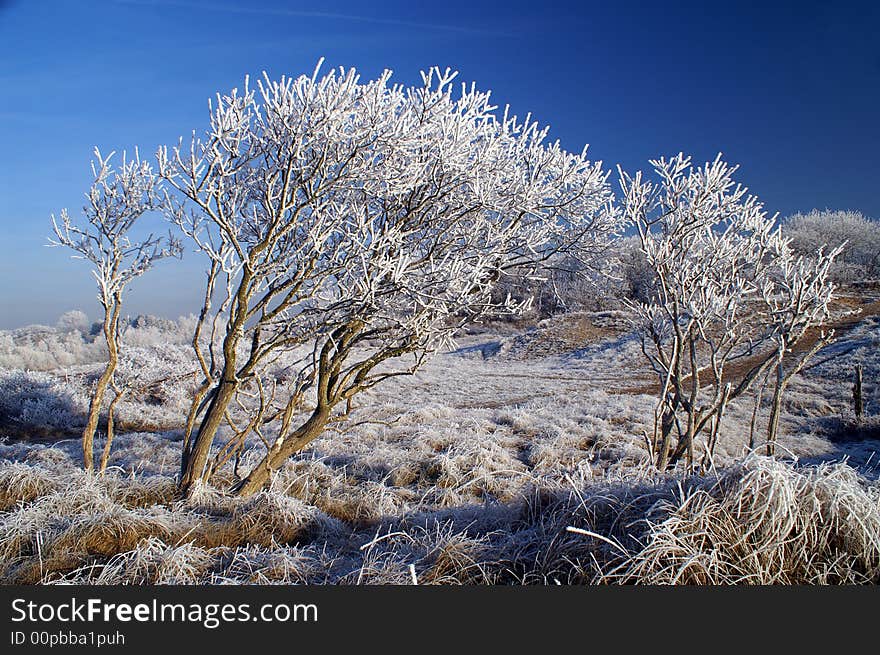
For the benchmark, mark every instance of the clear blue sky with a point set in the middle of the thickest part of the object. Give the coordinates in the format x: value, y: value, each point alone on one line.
x: 789, y: 90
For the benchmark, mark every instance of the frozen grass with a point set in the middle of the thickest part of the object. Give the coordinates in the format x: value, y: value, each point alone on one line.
x: 20, y: 483
x: 760, y: 521
x: 470, y: 472
x: 763, y: 522
x: 152, y: 561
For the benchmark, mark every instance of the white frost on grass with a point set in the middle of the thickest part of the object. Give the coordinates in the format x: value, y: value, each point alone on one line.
x: 468, y: 472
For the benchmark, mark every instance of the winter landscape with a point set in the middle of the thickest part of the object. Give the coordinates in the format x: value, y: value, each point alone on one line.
x: 527, y: 427
x: 434, y: 346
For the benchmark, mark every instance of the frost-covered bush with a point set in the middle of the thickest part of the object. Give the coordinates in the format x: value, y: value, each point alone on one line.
x: 146, y: 330
x: 72, y: 343
x: 570, y: 285
x: 637, y: 279
x: 726, y: 286
x: 159, y: 381
x: 858, y: 235
x: 567, y: 286
x: 74, y: 321
x: 41, y: 348
x: 39, y: 400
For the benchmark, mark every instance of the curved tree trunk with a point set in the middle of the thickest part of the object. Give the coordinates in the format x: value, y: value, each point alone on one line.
x: 194, y: 461
x: 105, y: 455
x: 88, y: 436
x: 207, y: 368
x: 667, y: 423
x: 281, y: 451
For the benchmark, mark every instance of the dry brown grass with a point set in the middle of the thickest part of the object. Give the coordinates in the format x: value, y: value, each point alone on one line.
x: 267, y: 519
x: 84, y: 521
x: 339, y: 494
x: 760, y: 521
x: 20, y: 483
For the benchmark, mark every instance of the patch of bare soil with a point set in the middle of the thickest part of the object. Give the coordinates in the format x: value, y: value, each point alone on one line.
x: 850, y: 311
x: 563, y: 334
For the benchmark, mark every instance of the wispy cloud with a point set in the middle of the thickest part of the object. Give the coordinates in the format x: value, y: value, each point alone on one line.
x: 297, y: 13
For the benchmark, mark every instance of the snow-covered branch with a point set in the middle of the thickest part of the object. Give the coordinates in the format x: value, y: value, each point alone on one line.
x: 725, y: 286
x: 366, y: 220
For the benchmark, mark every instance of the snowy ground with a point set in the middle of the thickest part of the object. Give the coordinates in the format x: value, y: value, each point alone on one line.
x: 553, y: 399
x: 459, y: 446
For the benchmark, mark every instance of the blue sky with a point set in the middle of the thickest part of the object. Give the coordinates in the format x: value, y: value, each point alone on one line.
x: 788, y: 90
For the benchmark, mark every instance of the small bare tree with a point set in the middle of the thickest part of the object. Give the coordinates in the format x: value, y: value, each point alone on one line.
x: 727, y: 299
x: 349, y: 225
x: 117, y: 198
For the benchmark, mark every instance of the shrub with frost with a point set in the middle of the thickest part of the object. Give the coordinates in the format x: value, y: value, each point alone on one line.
x: 729, y: 298
x: 362, y: 223
x: 857, y: 236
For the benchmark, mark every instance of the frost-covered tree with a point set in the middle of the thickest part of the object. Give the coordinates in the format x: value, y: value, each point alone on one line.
x: 728, y: 297
x: 857, y: 236
x: 74, y: 321
x: 564, y: 285
x: 795, y: 298
x: 351, y: 228
x: 116, y: 200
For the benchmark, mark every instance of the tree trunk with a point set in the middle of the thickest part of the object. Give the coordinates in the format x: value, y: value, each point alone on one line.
x: 758, y: 397
x: 776, y: 408
x: 689, y: 440
x: 281, y: 451
x: 709, y: 455
x: 858, y: 402
x: 105, y: 456
x: 194, y: 411
x: 195, y: 459
x: 667, y: 423
x: 88, y: 435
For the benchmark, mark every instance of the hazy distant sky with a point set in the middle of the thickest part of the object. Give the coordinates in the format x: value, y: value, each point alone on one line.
x: 791, y: 91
